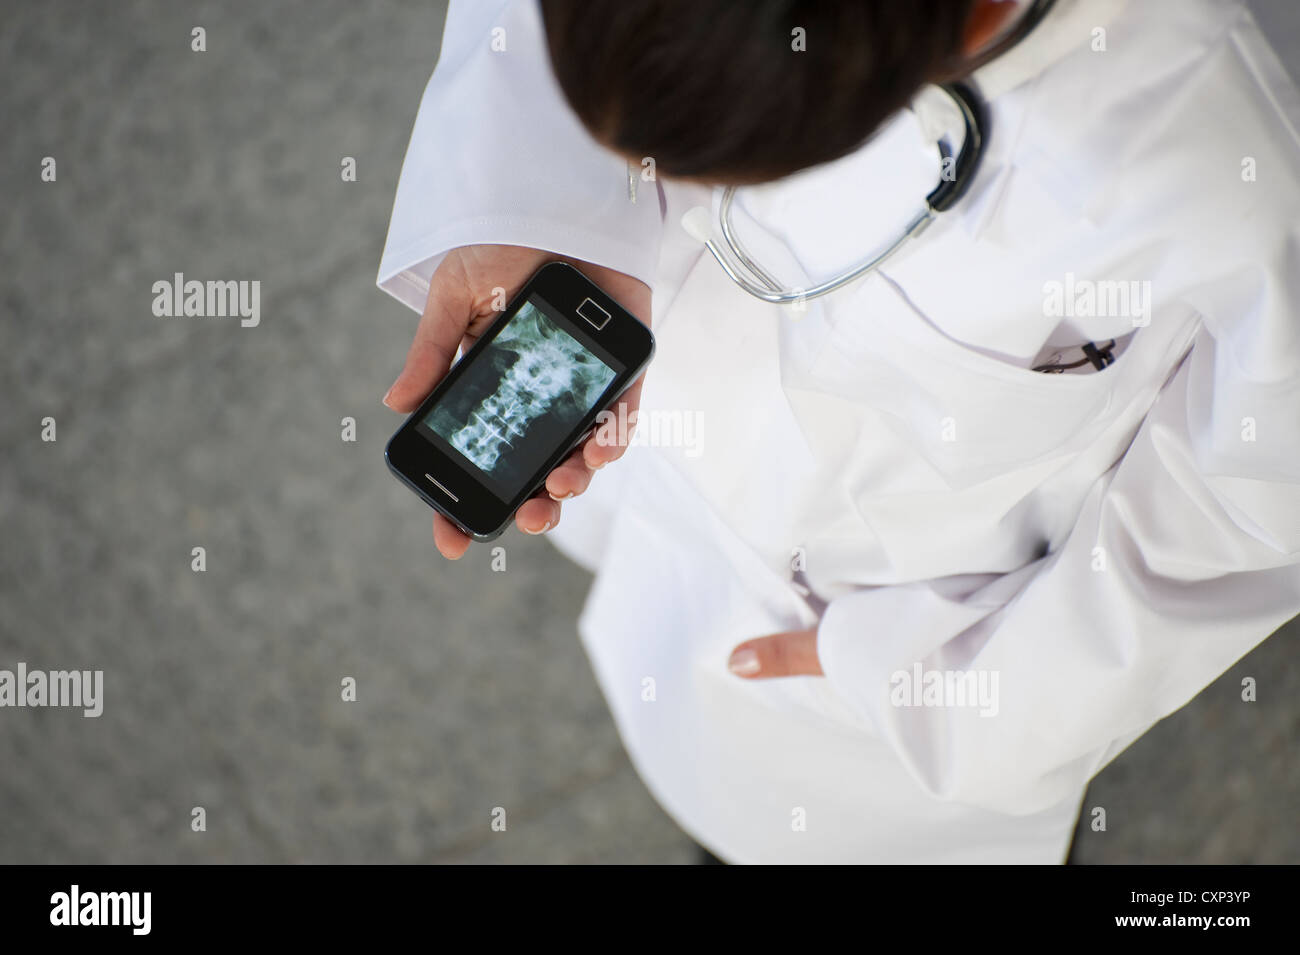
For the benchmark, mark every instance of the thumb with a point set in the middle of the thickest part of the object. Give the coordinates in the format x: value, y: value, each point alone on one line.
x: 793, y: 653
x: 446, y: 316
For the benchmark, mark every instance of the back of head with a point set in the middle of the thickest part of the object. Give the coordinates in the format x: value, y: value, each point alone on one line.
x: 739, y: 92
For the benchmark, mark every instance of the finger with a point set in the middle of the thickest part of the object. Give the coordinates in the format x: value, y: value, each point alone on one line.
x: 570, y: 478
x: 450, y: 540
x: 447, y: 314
x: 613, y: 435
x: 467, y: 342
x: 634, y: 295
x: 538, y: 515
x: 793, y: 653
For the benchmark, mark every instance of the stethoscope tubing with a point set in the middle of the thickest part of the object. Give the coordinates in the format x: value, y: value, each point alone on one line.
x: 742, y: 268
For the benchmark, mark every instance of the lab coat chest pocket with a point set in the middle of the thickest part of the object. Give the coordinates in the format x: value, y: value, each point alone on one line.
x: 963, y: 415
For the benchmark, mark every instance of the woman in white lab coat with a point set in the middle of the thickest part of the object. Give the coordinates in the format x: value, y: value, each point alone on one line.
x: 902, y: 595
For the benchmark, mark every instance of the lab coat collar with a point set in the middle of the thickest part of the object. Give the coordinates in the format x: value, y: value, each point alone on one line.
x: 1066, y: 28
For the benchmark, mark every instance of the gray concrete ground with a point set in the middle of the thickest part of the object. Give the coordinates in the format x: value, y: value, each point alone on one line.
x: 223, y: 687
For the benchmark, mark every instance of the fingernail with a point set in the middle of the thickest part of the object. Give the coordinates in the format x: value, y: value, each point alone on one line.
x: 744, y: 662
x: 389, y: 395
x: 562, y: 497
x: 543, y: 530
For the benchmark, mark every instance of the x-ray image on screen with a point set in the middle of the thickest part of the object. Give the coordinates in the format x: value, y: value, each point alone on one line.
x: 520, y: 399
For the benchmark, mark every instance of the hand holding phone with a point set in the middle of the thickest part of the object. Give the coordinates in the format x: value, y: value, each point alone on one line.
x: 507, y: 424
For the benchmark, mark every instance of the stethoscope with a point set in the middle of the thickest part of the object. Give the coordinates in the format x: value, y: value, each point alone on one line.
x: 741, y: 267
x: 959, y: 172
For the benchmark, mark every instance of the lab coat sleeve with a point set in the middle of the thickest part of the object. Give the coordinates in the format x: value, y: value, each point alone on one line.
x: 497, y: 156
x: 1185, y: 555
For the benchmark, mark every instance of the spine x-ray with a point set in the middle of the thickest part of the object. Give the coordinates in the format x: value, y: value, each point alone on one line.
x: 520, y: 398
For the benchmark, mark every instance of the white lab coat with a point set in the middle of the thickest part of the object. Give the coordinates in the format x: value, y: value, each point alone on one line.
x: 886, y: 466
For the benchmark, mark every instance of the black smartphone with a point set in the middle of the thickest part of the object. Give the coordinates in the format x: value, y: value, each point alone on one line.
x: 516, y: 403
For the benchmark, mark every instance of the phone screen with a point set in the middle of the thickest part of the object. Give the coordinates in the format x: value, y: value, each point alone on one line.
x: 521, y: 398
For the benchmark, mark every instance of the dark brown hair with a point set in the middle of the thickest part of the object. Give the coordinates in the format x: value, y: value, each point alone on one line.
x: 714, y: 89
